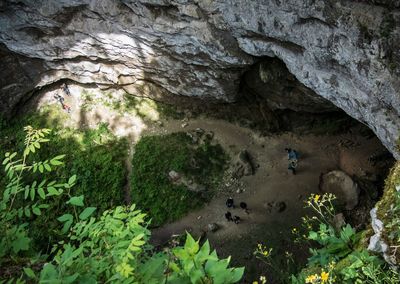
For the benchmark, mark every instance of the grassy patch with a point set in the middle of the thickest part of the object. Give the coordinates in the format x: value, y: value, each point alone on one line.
x: 94, y: 155
x: 155, y: 157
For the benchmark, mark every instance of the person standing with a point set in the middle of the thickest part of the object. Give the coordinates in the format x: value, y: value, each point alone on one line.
x: 66, y: 89
x: 229, y: 203
x: 293, y: 159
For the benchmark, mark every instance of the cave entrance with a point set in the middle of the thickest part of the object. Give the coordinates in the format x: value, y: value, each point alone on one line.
x: 287, y: 105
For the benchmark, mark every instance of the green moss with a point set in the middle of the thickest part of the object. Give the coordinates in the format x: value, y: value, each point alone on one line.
x: 155, y: 157
x: 389, y: 209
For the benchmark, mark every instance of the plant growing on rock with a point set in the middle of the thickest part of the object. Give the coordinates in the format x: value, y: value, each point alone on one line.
x: 338, y: 257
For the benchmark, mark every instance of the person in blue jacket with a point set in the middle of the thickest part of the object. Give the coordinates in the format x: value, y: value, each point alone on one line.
x: 293, y: 157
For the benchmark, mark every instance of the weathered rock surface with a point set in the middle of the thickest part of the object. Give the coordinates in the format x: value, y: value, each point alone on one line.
x: 243, y: 165
x: 342, y: 186
x: 344, y: 51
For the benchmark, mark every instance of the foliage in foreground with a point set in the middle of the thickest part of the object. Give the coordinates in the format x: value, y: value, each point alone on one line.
x: 95, y: 155
x: 337, y: 256
x: 112, y: 248
x: 156, y: 156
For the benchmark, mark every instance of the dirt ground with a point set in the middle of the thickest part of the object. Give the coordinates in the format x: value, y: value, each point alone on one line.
x: 272, y: 182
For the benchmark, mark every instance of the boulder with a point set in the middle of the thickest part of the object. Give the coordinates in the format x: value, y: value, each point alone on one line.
x: 244, y: 165
x: 212, y: 227
x: 342, y: 186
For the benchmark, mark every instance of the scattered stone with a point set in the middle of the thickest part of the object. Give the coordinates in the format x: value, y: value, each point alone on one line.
x: 212, y: 227
x: 174, y: 176
x: 209, y: 135
x: 342, y: 186
x: 183, y: 125
x: 199, y: 131
x: 199, y: 217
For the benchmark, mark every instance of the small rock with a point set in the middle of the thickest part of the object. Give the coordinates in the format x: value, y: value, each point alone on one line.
x: 212, y: 227
x: 199, y: 131
x: 198, y: 217
x: 174, y: 176
x: 209, y: 135
x: 183, y: 125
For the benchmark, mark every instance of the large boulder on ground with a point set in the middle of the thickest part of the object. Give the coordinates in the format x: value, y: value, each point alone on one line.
x: 341, y: 185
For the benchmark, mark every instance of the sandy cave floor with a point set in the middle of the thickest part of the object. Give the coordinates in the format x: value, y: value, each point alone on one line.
x: 271, y: 182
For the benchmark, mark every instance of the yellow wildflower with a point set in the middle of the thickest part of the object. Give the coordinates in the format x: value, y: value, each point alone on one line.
x: 255, y: 282
x: 311, y: 278
x: 324, y: 276
x: 316, y: 198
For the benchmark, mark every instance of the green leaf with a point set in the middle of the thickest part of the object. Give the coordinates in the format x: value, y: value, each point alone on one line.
x: 52, y: 191
x: 33, y: 191
x: 32, y: 148
x: 72, y: 179
x: 59, y: 157
x: 29, y: 272
x: 21, y: 243
x: 36, y: 144
x: 191, y: 246
x: 47, y: 167
x: 86, y: 213
x: 41, y: 193
x: 55, y: 162
x: 65, y: 217
x: 5, y: 161
x: 76, y: 201
x: 26, y: 193
x: 41, y: 168
x: 27, y: 212
x: 36, y: 211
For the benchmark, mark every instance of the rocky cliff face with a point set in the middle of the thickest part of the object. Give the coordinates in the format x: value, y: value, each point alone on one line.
x: 344, y: 51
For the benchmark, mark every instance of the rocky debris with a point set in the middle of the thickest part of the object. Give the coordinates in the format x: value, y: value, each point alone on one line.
x: 339, y: 221
x: 275, y: 206
x: 243, y: 165
x: 200, y: 136
x: 212, y: 227
x: 342, y: 186
x: 184, y: 124
x: 174, y: 176
x: 178, y: 179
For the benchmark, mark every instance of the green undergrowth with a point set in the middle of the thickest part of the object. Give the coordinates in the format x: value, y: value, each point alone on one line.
x: 156, y: 156
x: 389, y: 212
x: 94, y: 155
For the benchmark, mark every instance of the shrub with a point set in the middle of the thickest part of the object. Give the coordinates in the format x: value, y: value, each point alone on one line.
x: 155, y: 157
